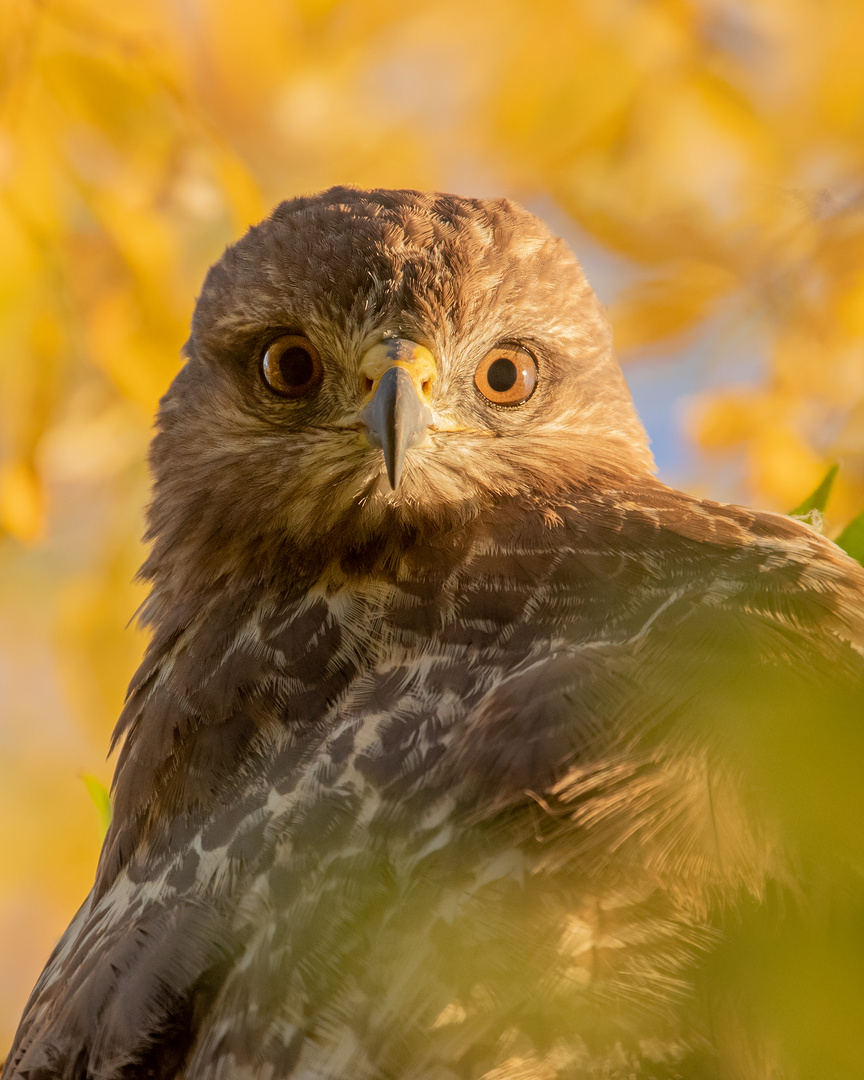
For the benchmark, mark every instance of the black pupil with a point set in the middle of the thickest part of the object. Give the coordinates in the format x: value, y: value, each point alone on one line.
x: 502, y: 375
x: 296, y: 366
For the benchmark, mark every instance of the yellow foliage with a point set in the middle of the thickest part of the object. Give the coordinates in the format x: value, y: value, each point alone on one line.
x: 20, y: 501
x: 732, y: 418
x: 655, y: 310
x: 715, y: 147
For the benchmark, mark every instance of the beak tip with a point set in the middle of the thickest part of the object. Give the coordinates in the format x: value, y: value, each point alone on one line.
x: 396, y: 420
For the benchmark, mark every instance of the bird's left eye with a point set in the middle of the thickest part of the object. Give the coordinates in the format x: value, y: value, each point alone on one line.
x: 291, y: 366
x: 506, y: 375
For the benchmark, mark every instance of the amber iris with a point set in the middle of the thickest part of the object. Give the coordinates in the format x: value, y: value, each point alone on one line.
x: 291, y: 366
x: 506, y: 375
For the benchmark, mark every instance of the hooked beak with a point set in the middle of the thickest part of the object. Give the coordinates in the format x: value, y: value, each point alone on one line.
x: 396, y: 414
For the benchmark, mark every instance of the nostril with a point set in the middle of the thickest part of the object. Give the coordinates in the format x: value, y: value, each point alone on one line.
x: 425, y: 385
x: 367, y: 384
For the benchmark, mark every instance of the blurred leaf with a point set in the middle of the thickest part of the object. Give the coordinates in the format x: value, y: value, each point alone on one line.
x: 819, y: 498
x: 101, y: 800
x: 852, y: 538
x: 21, y: 512
x: 656, y: 310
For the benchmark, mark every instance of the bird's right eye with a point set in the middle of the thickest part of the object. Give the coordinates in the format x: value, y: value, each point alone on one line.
x: 292, y: 367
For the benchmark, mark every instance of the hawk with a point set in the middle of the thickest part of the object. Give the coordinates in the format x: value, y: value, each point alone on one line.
x: 462, y: 746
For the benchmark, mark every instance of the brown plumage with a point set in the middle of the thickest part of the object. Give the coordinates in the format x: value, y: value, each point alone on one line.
x: 473, y: 777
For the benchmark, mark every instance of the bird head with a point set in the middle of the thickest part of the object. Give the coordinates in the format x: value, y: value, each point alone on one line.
x: 369, y: 361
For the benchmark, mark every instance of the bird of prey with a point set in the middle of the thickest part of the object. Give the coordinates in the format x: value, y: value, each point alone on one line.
x: 464, y: 749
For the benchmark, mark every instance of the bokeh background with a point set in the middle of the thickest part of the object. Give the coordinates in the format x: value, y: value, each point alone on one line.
x: 705, y: 159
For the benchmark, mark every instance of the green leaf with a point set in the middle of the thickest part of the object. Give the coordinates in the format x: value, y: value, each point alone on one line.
x: 101, y: 799
x: 818, y: 499
x: 852, y: 538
